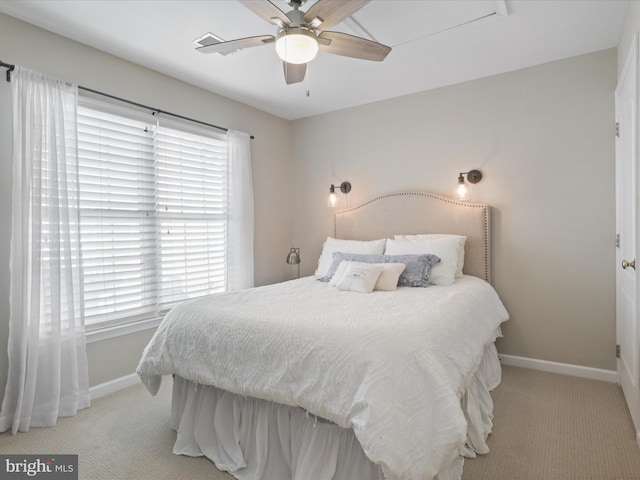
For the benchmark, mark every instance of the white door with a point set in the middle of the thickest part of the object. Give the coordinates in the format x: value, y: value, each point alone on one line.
x: 626, y: 108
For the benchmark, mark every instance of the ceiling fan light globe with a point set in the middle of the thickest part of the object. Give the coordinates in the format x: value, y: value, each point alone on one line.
x: 296, y: 46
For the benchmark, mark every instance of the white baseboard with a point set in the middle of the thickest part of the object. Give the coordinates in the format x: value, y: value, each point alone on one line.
x: 562, y: 368
x: 114, y: 385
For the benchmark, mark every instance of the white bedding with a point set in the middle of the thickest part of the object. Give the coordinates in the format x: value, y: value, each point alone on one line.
x: 390, y: 365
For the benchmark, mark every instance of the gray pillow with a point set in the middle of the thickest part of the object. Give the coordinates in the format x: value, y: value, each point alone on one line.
x: 415, y: 275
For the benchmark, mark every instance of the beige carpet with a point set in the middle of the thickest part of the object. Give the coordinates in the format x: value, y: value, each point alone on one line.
x: 554, y: 427
x: 547, y: 427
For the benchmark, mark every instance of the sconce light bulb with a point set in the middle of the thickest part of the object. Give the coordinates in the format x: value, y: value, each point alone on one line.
x: 332, y: 196
x: 463, y: 190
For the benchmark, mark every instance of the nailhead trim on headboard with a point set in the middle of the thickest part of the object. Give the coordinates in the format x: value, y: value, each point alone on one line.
x: 483, y: 207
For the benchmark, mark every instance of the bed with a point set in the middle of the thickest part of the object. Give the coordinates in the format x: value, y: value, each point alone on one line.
x: 304, y: 380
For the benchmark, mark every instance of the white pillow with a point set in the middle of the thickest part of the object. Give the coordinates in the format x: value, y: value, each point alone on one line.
x: 374, y: 247
x: 360, y: 278
x: 460, y: 240
x: 388, y: 279
x: 340, y: 272
x: 443, y: 273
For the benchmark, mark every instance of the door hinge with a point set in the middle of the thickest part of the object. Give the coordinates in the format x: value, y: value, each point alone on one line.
x: 618, y: 240
x: 617, y: 129
x: 617, y: 351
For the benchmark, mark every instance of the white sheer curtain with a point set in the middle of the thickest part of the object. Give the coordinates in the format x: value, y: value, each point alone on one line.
x: 240, y: 227
x: 48, y: 375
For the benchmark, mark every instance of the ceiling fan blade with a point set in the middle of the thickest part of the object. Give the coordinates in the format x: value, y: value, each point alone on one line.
x: 352, y: 46
x: 332, y: 12
x: 266, y: 10
x: 294, y: 72
x: 224, y: 48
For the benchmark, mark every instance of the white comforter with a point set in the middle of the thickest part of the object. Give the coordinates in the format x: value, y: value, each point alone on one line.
x: 390, y: 365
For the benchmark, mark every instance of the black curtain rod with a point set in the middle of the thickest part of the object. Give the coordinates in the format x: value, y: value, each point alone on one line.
x: 157, y: 110
x: 10, y: 68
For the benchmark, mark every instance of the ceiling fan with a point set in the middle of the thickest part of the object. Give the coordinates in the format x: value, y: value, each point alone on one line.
x: 301, y: 34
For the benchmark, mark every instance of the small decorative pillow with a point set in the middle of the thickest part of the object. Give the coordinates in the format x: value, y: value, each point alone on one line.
x: 337, y: 276
x: 442, y: 274
x: 388, y: 279
x: 415, y: 274
x: 331, y: 245
x: 458, y: 240
x: 360, y: 277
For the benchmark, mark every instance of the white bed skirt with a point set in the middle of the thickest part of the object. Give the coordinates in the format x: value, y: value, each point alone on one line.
x: 257, y: 439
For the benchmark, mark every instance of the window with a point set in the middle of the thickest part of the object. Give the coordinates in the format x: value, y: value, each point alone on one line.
x: 154, y: 212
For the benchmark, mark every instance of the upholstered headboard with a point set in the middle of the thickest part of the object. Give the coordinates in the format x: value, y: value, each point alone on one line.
x: 414, y: 213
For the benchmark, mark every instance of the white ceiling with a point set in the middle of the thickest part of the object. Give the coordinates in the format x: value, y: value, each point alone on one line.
x: 435, y: 43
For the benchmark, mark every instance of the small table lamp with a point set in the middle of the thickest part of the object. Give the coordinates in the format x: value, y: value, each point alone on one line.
x: 293, y: 258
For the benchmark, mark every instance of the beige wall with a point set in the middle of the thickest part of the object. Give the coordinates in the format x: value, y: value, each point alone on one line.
x: 543, y: 137
x: 26, y: 45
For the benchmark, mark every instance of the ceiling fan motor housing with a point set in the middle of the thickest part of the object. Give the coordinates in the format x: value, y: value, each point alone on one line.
x: 297, y: 17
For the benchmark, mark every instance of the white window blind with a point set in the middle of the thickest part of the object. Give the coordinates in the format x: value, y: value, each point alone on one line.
x: 191, y: 189
x: 153, y: 200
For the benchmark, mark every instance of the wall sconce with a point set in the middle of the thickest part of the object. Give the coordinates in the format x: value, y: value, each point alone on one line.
x: 293, y: 258
x: 345, y: 187
x: 474, y: 176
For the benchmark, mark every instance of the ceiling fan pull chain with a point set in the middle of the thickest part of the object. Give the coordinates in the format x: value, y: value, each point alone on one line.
x: 307, y: 79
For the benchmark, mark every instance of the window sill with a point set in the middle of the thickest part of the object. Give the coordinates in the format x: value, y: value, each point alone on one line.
x: 114, y: 331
